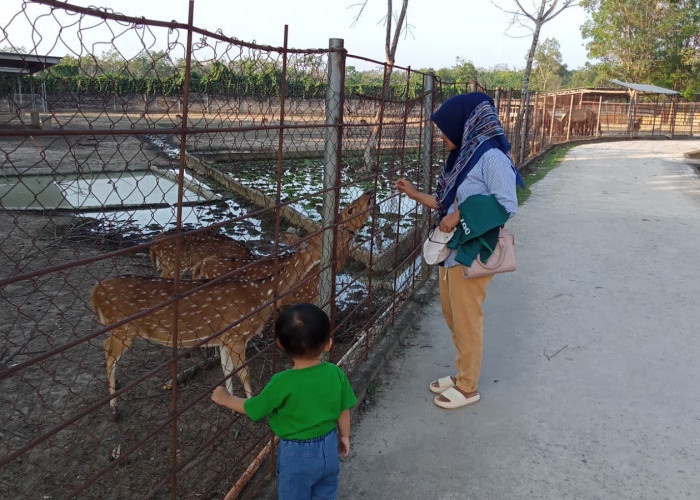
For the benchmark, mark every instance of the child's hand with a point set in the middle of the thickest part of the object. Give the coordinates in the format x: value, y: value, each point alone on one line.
x: 224, y: 398
x: 220, y: 395
x: 343, y: 446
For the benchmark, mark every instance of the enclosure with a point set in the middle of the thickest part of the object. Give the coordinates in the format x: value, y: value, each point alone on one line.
x: 91, y: 177
x: 268, y: 151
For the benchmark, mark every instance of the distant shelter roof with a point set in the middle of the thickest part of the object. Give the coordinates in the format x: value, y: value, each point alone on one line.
x: 645, y: 87
x: 25, y: 64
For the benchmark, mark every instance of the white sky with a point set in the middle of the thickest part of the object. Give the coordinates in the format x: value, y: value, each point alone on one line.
x: 441, y: 30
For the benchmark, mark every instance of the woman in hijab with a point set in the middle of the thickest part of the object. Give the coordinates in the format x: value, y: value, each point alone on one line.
x: 478, y: 163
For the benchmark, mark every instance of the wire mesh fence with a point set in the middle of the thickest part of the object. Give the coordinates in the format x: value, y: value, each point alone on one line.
x: 164, y: 190
x: 156, y: 209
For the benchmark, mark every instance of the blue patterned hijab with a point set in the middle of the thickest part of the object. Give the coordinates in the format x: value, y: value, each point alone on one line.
x: 470, y: 121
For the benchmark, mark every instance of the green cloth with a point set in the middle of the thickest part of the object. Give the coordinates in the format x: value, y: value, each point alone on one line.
x: 481, y: 216
x: 303, y: 403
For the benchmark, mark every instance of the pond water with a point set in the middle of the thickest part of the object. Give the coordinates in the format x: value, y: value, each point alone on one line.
x: 140, y: 205
x: 90, y: 191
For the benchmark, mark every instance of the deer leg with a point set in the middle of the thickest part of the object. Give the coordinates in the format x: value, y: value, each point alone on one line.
x: 114, y: 348
x: 228, y: 366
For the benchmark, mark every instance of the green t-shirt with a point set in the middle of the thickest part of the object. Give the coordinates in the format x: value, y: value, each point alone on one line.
x: 303, y: 403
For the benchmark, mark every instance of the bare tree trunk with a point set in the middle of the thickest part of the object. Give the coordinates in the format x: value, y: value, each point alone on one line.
x: 548, y: 9
x: 521, y: 125
x: 390, y: 45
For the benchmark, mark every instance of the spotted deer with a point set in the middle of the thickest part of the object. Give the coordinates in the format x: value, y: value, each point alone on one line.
x: 215, y: 265
x: 226, y: 313
x: 194, y: 247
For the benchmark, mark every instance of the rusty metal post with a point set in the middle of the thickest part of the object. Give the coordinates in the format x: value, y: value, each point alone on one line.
x: 508, y: 109
x: 692, y: 117
x: 331, y: 171
x: 533, y: 124
x: 552, y: 118
x: 525, y: 109
x: 543, y: 126
x: 568, y: 126
x: 674, y: 110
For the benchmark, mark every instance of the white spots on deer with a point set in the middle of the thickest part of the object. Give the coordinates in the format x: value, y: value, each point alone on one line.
x: 202, y: 311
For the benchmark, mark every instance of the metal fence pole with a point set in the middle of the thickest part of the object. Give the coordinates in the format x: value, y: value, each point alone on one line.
x: 428, y: 93
x: 427, y: 150
x: 331, y: 170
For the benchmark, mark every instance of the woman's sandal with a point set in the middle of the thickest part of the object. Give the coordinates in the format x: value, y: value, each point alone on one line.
x: 455, y: 399
x: 439, y: 385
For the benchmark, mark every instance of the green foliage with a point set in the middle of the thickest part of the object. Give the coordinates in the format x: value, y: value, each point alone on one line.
x: 490, y: 78
x: 547, y: 71
x: 647, y: 41
x: 588, y: 76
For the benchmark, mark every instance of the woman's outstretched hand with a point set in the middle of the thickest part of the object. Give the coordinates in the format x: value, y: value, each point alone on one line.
x: 406, y: 188
x: 409, y: 190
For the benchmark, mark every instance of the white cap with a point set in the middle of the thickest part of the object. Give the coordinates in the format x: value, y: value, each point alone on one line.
x: 435, y: 247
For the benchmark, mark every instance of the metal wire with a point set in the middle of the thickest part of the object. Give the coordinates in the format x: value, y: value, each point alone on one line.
x: 147, y: 138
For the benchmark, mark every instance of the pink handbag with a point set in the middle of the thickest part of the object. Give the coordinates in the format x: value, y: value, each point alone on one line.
x: 502, y: 259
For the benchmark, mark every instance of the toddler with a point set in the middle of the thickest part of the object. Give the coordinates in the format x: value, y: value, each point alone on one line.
x: 308, y: 407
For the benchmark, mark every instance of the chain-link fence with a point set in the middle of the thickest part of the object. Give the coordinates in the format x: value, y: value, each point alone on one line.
x: 159, y: 200
x: 156, y: 209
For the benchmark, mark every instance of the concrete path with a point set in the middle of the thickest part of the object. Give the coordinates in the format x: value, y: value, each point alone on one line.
x: 591, y: 373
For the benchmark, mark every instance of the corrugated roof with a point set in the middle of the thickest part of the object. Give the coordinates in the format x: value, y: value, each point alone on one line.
x: 644, y: 87
x: 11, y: 62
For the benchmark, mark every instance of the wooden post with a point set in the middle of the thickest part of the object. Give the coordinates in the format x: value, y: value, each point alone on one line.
x: 554, y: 111
x: 571, y: 109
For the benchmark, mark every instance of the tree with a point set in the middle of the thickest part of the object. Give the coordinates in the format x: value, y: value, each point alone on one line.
x: 623, y: 34
x: 464, y: 71
x: 500, y: 76
x: 589, y: 76
x: 390, y: 45
x: 548, y: 69
x: 21, y: 49
x: 532, y: 19
x: 678, y: 64
x: 651, y: 41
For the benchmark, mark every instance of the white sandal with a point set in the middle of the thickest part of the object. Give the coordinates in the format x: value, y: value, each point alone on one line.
x: 442, y: 384
x: 455, y: 399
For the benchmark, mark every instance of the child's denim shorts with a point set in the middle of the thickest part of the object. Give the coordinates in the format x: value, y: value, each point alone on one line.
x: 308, y: 468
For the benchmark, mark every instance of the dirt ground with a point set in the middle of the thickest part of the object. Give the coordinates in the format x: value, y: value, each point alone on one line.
x: 58, y: 437
x: 53, y: 379
x: 49, y: 315
x: 54, y: 345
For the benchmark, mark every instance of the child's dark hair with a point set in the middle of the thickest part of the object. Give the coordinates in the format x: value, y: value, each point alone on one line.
x: 302, y: 329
